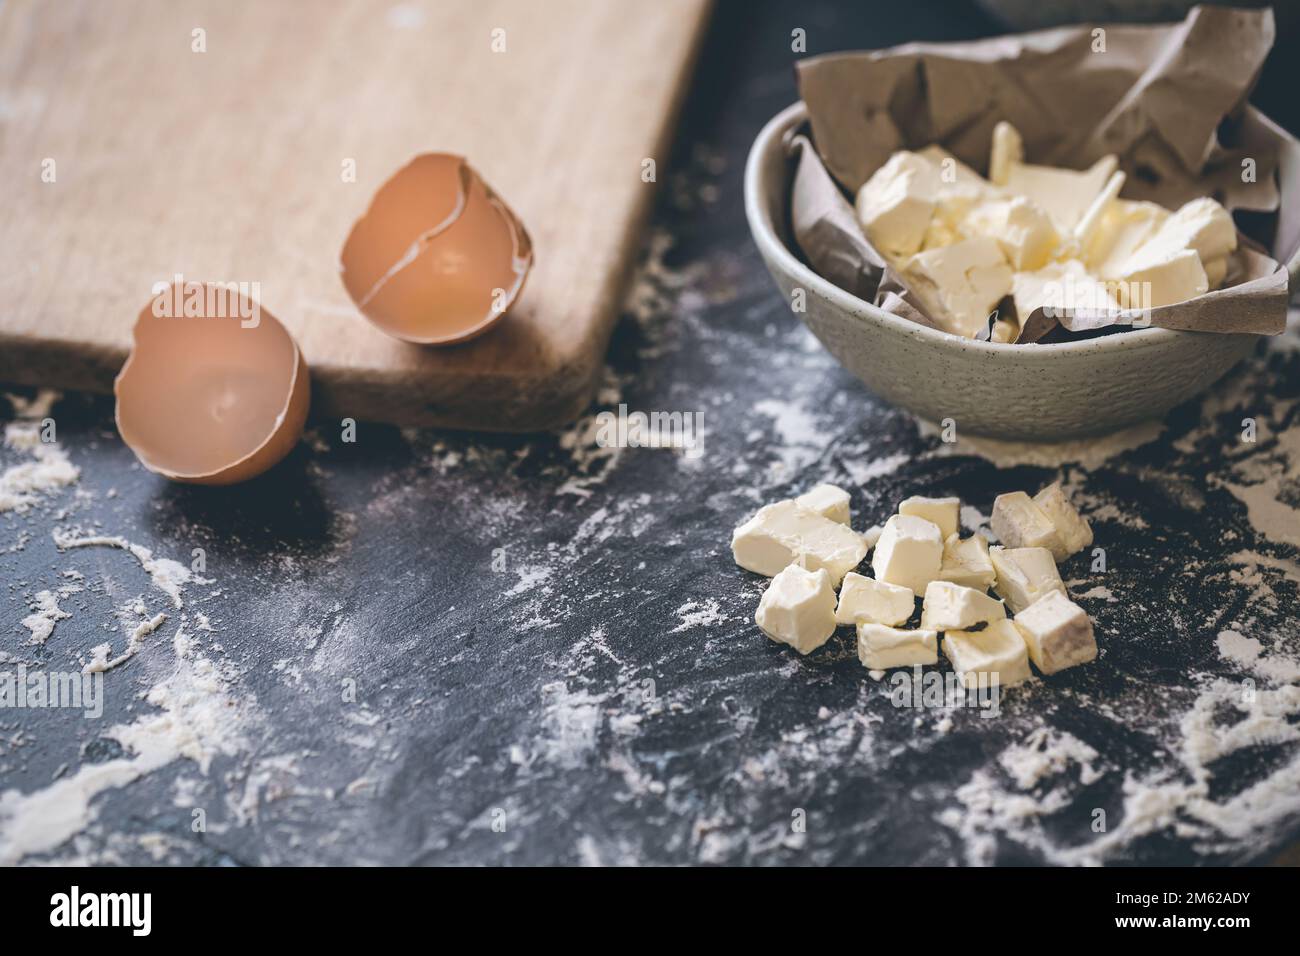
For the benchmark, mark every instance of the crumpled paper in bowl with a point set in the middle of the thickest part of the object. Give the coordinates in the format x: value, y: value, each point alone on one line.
x: 1169, y: 100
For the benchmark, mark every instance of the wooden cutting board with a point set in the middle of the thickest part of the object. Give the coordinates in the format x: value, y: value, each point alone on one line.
x: 230, y: 164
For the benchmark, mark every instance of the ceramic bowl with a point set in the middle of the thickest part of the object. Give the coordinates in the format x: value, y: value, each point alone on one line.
x: 1028, y: 392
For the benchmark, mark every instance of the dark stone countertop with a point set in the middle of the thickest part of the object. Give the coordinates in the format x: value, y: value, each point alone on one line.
x: 449, y: 648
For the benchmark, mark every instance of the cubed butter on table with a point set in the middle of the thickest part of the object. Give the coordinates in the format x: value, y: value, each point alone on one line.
x: 951, y: 607
x: 1019, y: 522
x: 881, y: 647
x: 999, y: 650
x: 966, y: 562
x: 1058, y: 633
x: 1073, y: 530
x: 877, y: 602
x: 943, y: 512
x: 798, y: 608
x: 909, y: 552
x: 1024, y: 575
x: 784, y: 533
x: 826, y: 500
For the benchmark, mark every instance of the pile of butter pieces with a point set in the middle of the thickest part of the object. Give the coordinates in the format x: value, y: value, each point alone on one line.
x: 1057, y: 238
x: 807, y: 547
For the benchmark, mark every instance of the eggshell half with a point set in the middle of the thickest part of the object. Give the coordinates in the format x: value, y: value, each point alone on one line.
x: 204, y: 399
x: 438, y: 258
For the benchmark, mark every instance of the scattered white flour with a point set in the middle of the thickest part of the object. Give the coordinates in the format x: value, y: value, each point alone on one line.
x: 570, y: 721
x: 699, y: 614
x: 23, y: 485
x: 862, y: 473
x: 197, y: 719
x: 1249, y: 654
x: 100, y: 661
x: 1152, y: 803
x: 529, y: 578
x: 35, y: 408
x: 1089, y: 452
x: 1100, y: 592
x: 42, y: 620
x: 799, y: 441
x: 593, y: 462
x: 1266, y: 482
x: 1045, y: 753
x: 168, y: 576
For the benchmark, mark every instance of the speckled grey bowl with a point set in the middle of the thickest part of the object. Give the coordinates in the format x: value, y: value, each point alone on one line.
x: 1031, y: 392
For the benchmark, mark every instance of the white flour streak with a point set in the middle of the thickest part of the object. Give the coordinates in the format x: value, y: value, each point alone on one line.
x: 197, y: 719
x: 1265, y: 484
x: 1249, y: 653
x: 100, y: 661
x: 168, y: 576
x: 529, y: 578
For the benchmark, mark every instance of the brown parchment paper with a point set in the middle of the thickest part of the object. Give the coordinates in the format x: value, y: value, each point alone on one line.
x: 1169, y: 100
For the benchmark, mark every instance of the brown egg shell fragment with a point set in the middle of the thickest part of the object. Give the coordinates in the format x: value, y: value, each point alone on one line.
x: 204, y: 400
x: 424, y: 262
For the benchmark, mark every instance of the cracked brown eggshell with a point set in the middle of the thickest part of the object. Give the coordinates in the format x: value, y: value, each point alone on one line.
x: 211, y: 395
x: 438, y: 258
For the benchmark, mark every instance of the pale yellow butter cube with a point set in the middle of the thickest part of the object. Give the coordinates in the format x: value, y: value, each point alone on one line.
x: 1156, y: 277
x: 1020, y: 523
x: 798, y: 608
x: 1059, y: 287
x: 1202, y: 225
x: 1066, y: 194
x: 1024, y: 575
x: 998, y: 650
x: 894, y: 206
x: 1021, y: 228
x: 878, y: 602
x: 960, y: 284
x: 1057, y: 632
x: 783, y: 533
x: 827, y: 501
x: 881, y: 647
x: 909, y: 552
x: 1072, y: 528
x: 1124, y: 227
x: 951, y: 607
x: 944, y: 512
x: 1007, y: 150
x: 966, y: 562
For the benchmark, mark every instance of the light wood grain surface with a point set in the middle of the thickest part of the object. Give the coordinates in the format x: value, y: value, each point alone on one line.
x: 229, y: 165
